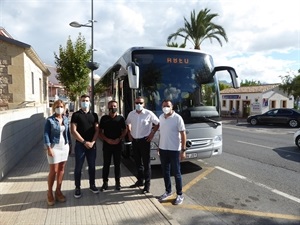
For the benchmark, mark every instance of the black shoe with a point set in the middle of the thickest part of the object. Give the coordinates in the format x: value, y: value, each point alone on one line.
x: 104, y: 186
x: 77, y: 193
x: 137, y: 184
x: 118, y: 186
x: 145, y: 190
x: 94, y: 189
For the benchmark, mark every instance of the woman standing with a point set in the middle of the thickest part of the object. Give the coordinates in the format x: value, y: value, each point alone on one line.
x: 57, y: 140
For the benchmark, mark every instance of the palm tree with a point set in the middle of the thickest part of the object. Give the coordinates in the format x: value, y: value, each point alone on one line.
x: 175, y: 45
x: 199, y: 29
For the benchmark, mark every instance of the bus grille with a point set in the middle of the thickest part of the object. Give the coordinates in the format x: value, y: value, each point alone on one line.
x: 198, y: 143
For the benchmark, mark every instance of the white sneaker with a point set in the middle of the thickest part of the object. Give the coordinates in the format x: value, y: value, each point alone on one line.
x: 178, y: 200
x: 164, y: 196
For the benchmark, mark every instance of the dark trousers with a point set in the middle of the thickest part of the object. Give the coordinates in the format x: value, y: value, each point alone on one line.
x: 141, y: 153
x: 170, y: 162
x: 109, y: 153
x: 81, y: 152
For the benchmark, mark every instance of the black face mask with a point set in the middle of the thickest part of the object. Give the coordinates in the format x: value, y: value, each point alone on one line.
x: 113, y: 110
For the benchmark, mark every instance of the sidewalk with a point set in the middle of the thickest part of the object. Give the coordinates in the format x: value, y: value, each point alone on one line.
x: 23, y: 197
x: 234, y: 120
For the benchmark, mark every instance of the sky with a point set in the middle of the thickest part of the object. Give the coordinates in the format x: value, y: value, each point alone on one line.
x: 264, y: 36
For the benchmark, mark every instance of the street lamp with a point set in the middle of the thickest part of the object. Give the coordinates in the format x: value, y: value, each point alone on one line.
x: 91, y: 65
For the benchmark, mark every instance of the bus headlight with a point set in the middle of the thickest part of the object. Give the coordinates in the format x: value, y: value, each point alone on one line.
x: 217, y: 138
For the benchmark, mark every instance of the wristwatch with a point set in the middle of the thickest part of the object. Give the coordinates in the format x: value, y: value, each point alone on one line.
x: 183, y: 150
x: 84, y: 142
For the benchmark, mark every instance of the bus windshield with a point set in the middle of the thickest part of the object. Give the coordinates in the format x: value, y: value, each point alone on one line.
x: 185, y: 78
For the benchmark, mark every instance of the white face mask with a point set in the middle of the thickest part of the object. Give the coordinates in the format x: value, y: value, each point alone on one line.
x: 138, y: 107
x: 59, y: 110
x: 85, y: 105
x: 166, y: 110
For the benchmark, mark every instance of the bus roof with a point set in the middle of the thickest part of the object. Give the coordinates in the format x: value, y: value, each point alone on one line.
x: 165, y: 48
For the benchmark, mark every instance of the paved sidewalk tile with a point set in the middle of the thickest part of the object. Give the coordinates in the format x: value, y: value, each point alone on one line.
x: 23, y: 198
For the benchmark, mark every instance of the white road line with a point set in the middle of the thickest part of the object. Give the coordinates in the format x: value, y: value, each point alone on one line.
x: 248, y: 143
x: 259, y: 184
x: 267, y: 147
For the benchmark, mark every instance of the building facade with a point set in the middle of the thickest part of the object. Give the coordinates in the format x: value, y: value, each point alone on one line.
x: 23, y: 82
x: 23, y: 76
x: 254, y: 99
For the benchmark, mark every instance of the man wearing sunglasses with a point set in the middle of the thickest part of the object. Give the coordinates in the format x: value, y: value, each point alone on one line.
x: 142, y: 125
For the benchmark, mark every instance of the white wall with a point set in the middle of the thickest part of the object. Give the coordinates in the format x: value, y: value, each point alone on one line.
x: 257, y: 100
x: 30, y: 68
x: 20, y: 131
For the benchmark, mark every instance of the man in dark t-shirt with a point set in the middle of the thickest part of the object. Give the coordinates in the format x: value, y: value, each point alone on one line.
x: 85, y: 129
x: 112, y: 130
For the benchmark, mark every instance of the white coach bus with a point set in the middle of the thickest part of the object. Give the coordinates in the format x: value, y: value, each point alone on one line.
x: 188, y: 78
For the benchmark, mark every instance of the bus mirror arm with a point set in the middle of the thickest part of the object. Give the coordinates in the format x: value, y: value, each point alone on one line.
x: 132, y: 66
x: 231, y: 71
x: 116, y: 68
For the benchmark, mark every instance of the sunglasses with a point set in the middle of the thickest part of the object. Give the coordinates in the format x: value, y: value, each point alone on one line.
x: 141, y: 103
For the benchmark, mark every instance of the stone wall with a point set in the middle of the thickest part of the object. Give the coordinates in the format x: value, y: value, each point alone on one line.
x: 5, y: 78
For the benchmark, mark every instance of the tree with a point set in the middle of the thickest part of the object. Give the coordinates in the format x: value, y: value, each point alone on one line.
x: 291, y: 86
x: 72, y: 71
x: 175, y: 45
x: 248, y: 83
x: 104, y: 84
x: 199, y: 29
x: 223, y: 86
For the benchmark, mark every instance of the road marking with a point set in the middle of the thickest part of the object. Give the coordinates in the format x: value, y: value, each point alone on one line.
x: 234, y: 211
x: 267, y: 147
x: 197, y: 179
x: 260, y: 184
x: 248, y: 143
x: 237, y: 211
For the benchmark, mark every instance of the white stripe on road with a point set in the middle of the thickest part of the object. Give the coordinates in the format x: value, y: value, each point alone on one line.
x: 248, y: 143
x: 263, y: 146
x: 259, y: 184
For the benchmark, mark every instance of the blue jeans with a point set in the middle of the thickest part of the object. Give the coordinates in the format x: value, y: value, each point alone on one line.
x: 81, y: 152
x: 170, y: 161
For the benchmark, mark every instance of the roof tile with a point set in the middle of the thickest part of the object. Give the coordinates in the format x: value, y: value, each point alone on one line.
x: 250, y: 89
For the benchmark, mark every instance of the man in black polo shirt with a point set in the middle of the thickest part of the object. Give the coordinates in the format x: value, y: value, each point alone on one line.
x: 85, y: 129
x: 112, y: 130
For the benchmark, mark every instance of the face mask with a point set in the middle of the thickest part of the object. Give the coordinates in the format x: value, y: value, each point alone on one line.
x: 85, y: 105
x: 59, y: 110
x: 138, y: 107
x: 166, y: 110
x: 113, y: 110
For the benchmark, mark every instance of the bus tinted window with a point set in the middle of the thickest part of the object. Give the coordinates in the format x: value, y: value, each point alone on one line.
x: 183, y: 77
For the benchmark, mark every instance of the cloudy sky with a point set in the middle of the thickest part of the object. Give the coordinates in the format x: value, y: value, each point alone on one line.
x: 264, y: 36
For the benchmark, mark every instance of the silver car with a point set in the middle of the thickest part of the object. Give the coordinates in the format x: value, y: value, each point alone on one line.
x: 297, y: 138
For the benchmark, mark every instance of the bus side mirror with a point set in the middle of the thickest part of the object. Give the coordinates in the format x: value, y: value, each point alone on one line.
x: 234, y: 77
x: 133, y: 76
x: 238, y: 82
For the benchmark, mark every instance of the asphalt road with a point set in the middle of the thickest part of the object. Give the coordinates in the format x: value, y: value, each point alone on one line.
x: 255, y: 181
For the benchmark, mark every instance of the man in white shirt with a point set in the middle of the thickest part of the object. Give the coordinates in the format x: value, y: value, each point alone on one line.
x: 172, y: 147
x: 142, y: 125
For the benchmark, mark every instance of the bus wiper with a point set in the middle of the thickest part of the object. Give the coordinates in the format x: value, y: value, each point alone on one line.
x: 216, y: 123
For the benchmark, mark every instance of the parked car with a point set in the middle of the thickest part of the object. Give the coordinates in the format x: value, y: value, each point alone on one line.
x: 297, y: 138
x: 290, y: 117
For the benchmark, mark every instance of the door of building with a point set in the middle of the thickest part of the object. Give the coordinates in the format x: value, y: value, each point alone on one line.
x: 246, y: 108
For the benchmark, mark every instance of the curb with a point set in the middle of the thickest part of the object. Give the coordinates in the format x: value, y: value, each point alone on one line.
x: 155, y: 202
